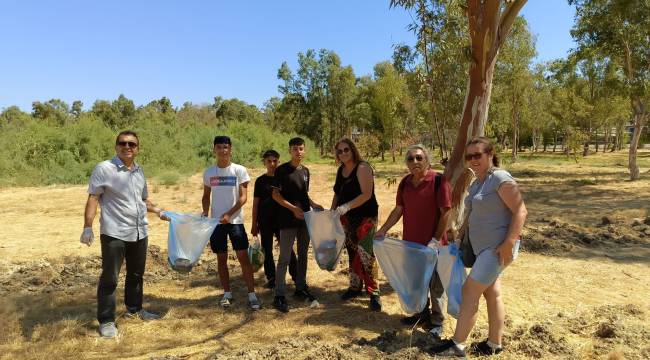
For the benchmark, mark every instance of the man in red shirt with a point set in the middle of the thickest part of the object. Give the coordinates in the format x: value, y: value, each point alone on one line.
x: 424, y: 200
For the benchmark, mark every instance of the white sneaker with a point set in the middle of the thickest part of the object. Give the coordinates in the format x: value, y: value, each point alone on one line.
x: 142, y: 315
x: 108, y: 330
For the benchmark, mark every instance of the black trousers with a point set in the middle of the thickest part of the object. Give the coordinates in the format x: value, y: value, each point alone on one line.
x: 267, y: 233
x: 114, y: 252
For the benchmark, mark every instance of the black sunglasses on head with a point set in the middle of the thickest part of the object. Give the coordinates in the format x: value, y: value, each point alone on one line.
x: 344, y: 150
x: 130, y: 144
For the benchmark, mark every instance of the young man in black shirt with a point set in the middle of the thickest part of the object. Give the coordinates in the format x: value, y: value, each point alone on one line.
x: 290, y: 190
x: 265, y: 217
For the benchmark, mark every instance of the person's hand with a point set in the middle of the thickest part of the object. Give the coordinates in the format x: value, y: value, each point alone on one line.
x: 343, y: 209
x: 504, y: 251
x: 255, y: 230
x: 433, y: 244
x: 163, y: 216
x: 204, y: 215
x: 87, y: 236
x: 379, y: 234
x: 224, y: 219
x: 297, y: 213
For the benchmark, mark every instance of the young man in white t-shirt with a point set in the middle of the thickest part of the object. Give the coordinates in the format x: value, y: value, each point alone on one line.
x: 228, y: 185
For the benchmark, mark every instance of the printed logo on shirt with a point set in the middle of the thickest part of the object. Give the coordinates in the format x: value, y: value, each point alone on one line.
x: 223, y: 180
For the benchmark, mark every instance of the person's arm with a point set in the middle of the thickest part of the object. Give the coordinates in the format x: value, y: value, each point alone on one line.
x: 335, y: 202
x: 297, y: 212
x: 256, y: 203
x: 511, y: 196
x: 315, y: 205
x: 243, y: 196
x: 442, y: 223
x: 91, y: 210
x: 366, y: 181
x: 151, y: 207
x: 205, y: 200
x: 393, y: 218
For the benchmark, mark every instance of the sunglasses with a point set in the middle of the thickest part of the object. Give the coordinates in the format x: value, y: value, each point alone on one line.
x: 474, y: 156
x: 341, y: 151
x: 413, y: 158
x: 130, y: 144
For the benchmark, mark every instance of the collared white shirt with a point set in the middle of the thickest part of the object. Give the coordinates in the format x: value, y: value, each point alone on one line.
x: 122, y: 193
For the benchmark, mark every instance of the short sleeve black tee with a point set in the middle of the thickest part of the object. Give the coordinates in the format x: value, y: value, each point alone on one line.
x: 293, y: 183
x: 267, y: 207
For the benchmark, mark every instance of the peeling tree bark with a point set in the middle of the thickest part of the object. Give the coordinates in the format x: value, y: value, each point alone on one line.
x: 489, y: 24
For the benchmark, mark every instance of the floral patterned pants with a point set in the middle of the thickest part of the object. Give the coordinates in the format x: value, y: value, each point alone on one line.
x: 359, y: 234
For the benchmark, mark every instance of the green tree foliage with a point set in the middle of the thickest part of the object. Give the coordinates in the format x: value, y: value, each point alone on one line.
x: 55, y: 111
x: 513, y: 85
x: 40, y: 153
x: 620, y: 30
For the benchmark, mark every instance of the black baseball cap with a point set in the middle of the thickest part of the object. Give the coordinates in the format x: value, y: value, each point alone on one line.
x: 222, y: 139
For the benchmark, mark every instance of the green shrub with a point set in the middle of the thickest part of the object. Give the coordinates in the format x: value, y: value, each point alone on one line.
x: 39, y: 153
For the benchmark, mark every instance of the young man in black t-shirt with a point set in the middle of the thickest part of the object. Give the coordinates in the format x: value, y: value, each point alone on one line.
x: 265, y: 217
x: 290, y: 190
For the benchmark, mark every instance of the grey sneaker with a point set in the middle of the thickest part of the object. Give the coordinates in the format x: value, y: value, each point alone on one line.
x: 142, y: 315
x: 225, y: 302
x: 108, y: 330
x: 254, y: 304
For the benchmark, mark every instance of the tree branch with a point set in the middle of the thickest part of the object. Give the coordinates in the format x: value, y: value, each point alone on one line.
x: 507, y: 19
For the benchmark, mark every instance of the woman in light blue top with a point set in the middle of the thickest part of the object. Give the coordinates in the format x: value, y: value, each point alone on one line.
x: 496, y: 216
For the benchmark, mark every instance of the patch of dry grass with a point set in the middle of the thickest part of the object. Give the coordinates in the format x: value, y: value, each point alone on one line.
x: 581, y: 293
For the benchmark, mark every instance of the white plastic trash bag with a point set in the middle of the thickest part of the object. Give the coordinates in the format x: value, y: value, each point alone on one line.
x: 408, y: 267
x: 452, y: 275
x: 256, y: 254
x: 327, y: 237
x: 188, y: 236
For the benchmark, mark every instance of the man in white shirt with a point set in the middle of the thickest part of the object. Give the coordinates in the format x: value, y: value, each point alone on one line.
x: 118, y: 186
x: 228, y: 184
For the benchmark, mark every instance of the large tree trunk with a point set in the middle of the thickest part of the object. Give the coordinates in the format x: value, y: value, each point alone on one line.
x: 489, y: 26
x: 639, y: 122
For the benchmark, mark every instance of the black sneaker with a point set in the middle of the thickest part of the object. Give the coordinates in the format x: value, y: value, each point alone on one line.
x: 482, y: 348
x: 410, y: 320
x: 350, y: 294
x: 422, y: 320
x: 304, y: 294
x: 280, y: 304
x: 375, y: 303
x: 448, y: 348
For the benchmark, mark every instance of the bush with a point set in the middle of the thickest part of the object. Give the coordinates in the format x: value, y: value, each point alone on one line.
x: 38, y: 153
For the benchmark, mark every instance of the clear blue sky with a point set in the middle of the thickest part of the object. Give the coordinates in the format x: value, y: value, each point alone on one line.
x: 195, y: 50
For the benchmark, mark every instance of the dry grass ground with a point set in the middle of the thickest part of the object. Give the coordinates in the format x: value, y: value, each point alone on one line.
x: 579, y: 290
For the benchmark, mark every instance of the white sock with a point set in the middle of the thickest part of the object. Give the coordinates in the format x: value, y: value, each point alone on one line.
x: 459, y: 345
x: 252, y: 296
x: 493, y: 345
x: 227, y: 294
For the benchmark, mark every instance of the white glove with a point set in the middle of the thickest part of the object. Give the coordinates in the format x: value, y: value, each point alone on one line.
x: 87, y: 236
x: 434, y: 244
x: 342, y: 209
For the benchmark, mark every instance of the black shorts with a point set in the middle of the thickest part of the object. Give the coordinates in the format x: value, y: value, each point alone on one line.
x: 219, y: 238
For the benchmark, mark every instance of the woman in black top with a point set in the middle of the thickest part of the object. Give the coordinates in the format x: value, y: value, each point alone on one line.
x: 354, y: 199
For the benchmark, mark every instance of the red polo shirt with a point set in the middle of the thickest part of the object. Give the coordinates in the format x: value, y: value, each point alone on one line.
x: 421, y: 207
